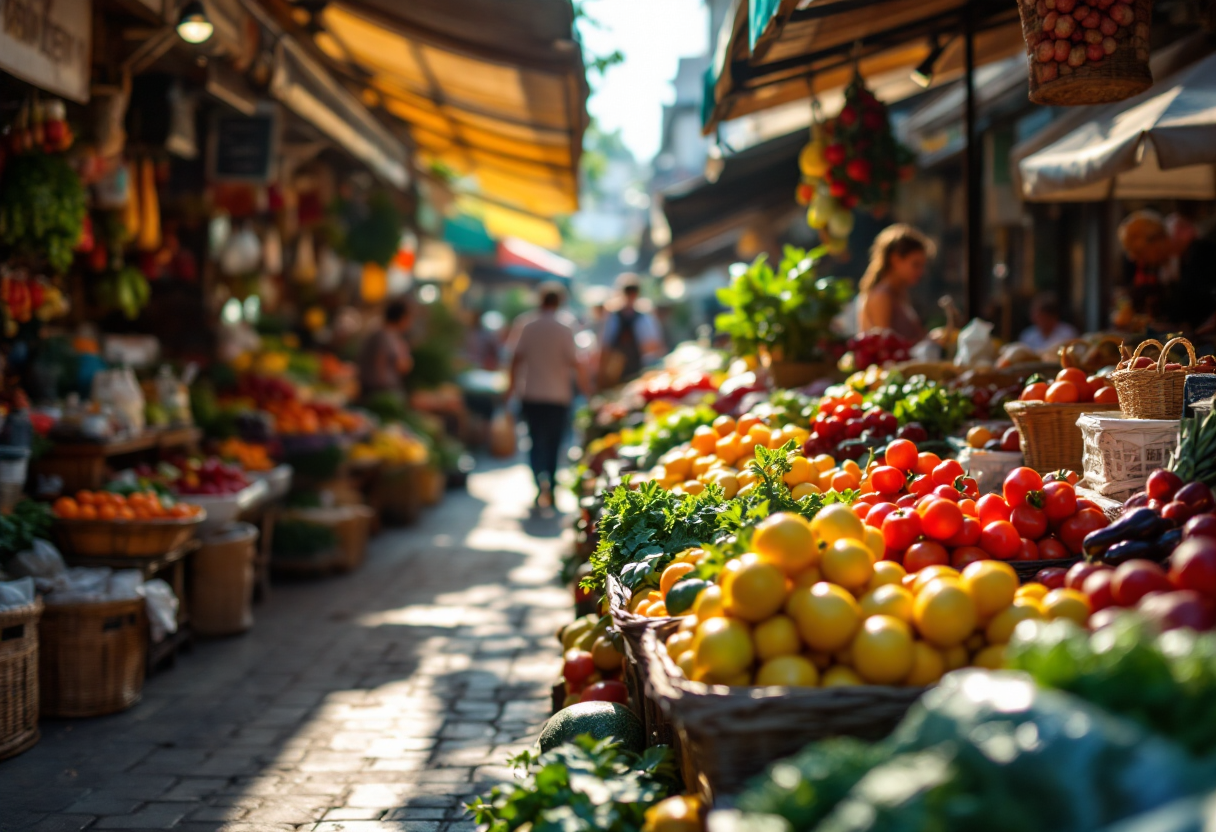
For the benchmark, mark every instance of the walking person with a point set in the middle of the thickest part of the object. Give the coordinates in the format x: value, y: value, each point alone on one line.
x: 631, y: 336
x: 385, y: 359
x: 544, y: 370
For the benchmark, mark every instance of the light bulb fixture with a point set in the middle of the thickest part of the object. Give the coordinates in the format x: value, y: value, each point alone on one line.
x: 923, y: 74
x: 193, y: 25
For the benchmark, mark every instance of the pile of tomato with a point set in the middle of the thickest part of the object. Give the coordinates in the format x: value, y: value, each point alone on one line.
x: 1071, y: 386
x: 108, y: 505
x: 930, y: 512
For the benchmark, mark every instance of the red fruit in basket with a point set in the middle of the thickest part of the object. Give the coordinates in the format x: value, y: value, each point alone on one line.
x: 848, y: 115
x: 907, y: 501
x: 1201, y: 525
x: 1109, y: 45
x: 1050, y: 548
x: 878, y: 512
x: 925, y: 553
x: 1108, y: 27
x: 1030, y: 522
x: 1162, y: 485
x: 1065, y: 6
x: 968, y: 534
x: 1034, y: 392
x: 1064, y: 27
x: 991, y: 507
x: 947, y: 472
x: 577, y: 667
x: 1019, y: 485
x: 1092, y: 37
x: 1196, y: 495
x: 1122, y: 14
x: 1027, y: 550
x: 1059, y: 501
x: 834, y: 154
x: 1049, y: 21
x: 1072, y: 531
x: 1000, y: 539
x: 946, y: 492
x: 1075, y: 59
x: 964, y: 556
x: 887, y: 479
x: 1094, y: 53
x: 606, y: 692
x: 1175, y: 610
x: 1134, y: 579
x: 901, y: 528
x: 1078, y: 572
x: 1098, y: 587
x: 1051, y: 577
x: 942, y: 519
x: 838, y: 189
x: 1193, y: 566
x: 1011, y: 440
x: 1177, y: 512
x: 1045, y: 51
x: 1092, y: 21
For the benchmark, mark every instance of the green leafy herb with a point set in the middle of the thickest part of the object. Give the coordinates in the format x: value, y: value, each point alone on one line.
x: 939, y: 410
x: 42, y: 208
x: 28, y: 520
x: 585, y: 786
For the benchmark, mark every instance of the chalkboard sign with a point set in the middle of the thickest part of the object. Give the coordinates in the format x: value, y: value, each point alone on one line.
x: 242, y: 147
x: 1198, y: 387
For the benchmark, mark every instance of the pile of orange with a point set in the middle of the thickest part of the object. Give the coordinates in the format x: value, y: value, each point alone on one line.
x: 106, y: 505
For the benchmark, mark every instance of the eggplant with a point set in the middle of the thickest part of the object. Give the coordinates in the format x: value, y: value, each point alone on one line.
x: 1137, y: 524
x: 1155, y: 549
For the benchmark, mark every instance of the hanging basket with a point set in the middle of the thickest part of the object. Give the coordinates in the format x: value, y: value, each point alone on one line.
x: 1107, y: 62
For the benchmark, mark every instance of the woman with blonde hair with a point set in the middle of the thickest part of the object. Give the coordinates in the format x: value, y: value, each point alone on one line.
x: 897, y: 263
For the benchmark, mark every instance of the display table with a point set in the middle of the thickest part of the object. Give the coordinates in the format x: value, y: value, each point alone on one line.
x: 171, y: 568
x: 82, y: 465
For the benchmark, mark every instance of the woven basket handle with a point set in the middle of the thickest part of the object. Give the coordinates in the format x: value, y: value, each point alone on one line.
x: 1141, y: 346
x: 1064, y: 356
x: 1165, y: 352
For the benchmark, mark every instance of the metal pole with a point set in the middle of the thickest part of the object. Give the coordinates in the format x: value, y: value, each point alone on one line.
x: 973, y: 221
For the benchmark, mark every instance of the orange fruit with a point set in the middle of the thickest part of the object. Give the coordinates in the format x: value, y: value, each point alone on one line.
x: 87, y: 513
x: 930, y: 573
x: 753, y: 589
x: 124, y: 512
x: 886, y: 572
x: 106, y: 512
x: 85, y: 497
x: 788, y: 671
x: 786, y: 540
x: 836, y: 522
x: 66, y: 507
x: 746, y: 423
x: 672, y: 574
x: 849, y: 563
x: 1000, y: 628
x: 928, y: 665
x: 890, y: 599
x: 724, y: 425
x: 703, y: 439
x: 944, y: 613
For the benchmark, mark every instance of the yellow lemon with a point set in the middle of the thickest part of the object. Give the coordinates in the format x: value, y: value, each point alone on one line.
x: 839, y: 676
x: 928, y: 665
x: 785, y: 539
x: 804, y: 489
x: 944, y: 613
x: 931, y: 573
x: 847, y: 562
x: 788, y: 671
x: 837, y: 522
x: 778, y: 636
x: 724, y: 647
x: 755, y: 590
x: 827, y: 616
x: 991, y: 584
x: 1000, y: 628
x: 709, y: 603
x: 1067, y: 603
x: 889, y: 599
x: 882, y: 650
x: 1032, y: 590
x: 875, y: 544
x: 886, y: 572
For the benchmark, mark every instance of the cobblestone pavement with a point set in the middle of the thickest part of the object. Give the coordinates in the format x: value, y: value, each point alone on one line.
x: 380, y: 700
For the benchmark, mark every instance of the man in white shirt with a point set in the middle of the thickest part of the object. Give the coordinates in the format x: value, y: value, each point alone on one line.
x: 1048, y: 332
x: 544, y: 370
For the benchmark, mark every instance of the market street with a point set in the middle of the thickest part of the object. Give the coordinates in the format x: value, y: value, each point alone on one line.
x: 379, y: 700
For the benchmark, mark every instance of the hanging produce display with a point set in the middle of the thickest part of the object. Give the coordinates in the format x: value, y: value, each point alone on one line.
x: 42, y: 210
x: 851, y: 161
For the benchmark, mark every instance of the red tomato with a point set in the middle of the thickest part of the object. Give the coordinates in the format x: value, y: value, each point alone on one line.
x: 1073, y: 530
x: 901, y: 528
x: 968, y: 534
x: 878, y: 512
x: 921, y: 485
x: 1098, y: 587
x: 971, y: 488
x: 1030, y: 522
x: 1059, y: 501
x: 1062, y: 475
x: 948, y: 492
x: 991, y: 507
x: 964, y: 556
x: 968, y: 506
x: 861, y: 509
x: 948, y: 472
x: 1090, y: 504
x: 1051, y: 548
x: 578, y: 666
x: 611, y: 691
x: 1034, y: 392
x: 907, y: 501
x: 1019, y: 484
x: 925, y: 553
x: 1073, y: 374
x: 942, y: 519
x: 1063, y: 392
x: 902, y: 454
x: 887, y: 479
x: 1000, y: 539
x: 1106, y: 395
x: 926, y: 461
x: 1027, y: 550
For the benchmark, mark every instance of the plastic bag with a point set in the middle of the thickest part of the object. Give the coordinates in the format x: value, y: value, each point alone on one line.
x: 42, y: 561
x: 18, y: 593
x: 975, y: 344
x: 162, y: 608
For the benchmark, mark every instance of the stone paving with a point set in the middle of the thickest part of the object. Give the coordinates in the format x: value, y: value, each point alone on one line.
x: 380, y: 700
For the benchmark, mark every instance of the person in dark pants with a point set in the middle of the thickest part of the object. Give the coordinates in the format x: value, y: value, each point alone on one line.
x: 544, y: 370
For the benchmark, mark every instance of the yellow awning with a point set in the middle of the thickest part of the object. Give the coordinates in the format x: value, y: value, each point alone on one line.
x: 503, y: 222
x: 507, y: 115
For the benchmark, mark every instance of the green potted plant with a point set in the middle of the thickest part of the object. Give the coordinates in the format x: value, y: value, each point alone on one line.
x: 784, y: 316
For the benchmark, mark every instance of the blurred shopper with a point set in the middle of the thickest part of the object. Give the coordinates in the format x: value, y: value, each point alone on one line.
x: 1190, y: 273
x: 543, y: 373
x: 1147, y: 244
x: 385, y: 358
x: 1047, y: 331
x: 630, y: 338
x: 897, y: 263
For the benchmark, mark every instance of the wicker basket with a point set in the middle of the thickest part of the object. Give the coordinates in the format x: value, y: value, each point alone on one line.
x: 135, y: 538
x: 221, y: 582
x: 632, y: 628
x: 353, y: 530
x: 1120, y: 453
x: 1150, y: 393
x: 728, y: 735
x: 1050, y: 437
x: 1114, y: 78
x: 92, y: 657
x: 791, y: 374
x: 19, y: 679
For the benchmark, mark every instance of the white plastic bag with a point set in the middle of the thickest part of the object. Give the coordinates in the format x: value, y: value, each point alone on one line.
x: 162, y: 608
x: 18, y: 593
x: 42, y: 561
x: 975, y: 344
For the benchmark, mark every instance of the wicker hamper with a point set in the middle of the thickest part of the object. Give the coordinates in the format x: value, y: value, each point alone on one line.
x: 728, y: 735
x: 352, y: 528
x: 221, y: 582
x: 1120, y: 453
x: 19, y: 679
x: 1050, y: 437
x: 92, y: 657
x: 1154, y: 392
x: 136, y: 539
x: 632, y: 628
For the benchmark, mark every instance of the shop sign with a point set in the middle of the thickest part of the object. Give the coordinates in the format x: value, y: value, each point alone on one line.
x: 46, y: 42
x: 243, y: 147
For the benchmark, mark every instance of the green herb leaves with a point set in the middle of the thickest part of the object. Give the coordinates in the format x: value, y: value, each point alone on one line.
x: 42, y: 207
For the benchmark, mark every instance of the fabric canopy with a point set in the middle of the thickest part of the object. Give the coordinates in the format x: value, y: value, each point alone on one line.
x: 772, y: 52
x: 495, y: 92
x: 1159, y: 144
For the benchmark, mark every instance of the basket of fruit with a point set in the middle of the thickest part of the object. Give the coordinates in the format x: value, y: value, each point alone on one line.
x: 1080, y: 54
x: 1046, y: 417
x: 1154, y: 389
x: 107, y: 524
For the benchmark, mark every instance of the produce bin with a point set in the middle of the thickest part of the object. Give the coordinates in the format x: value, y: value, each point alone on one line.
x: 222, y: 580
x: 1120, y: 453
x: 19, y: 679
x: 92, y: 657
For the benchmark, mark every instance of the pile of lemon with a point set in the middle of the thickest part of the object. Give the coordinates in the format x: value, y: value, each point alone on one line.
x: 721, y: 454
x: 813, y: 605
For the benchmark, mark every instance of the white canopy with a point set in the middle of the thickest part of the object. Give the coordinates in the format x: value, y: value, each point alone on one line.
x: 1159, y: 144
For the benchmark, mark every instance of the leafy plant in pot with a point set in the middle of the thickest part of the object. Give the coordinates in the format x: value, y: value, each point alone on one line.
x: 784, y: 316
